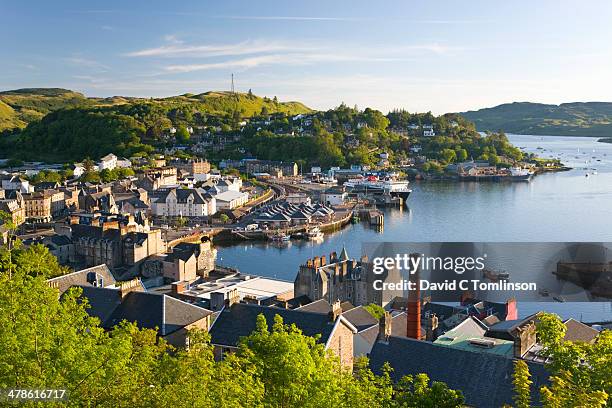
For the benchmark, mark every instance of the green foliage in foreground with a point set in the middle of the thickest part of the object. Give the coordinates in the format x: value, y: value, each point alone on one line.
x: 48, y: 343
x: 581, y: 372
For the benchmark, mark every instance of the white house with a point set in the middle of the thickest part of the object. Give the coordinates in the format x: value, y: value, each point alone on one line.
x: 333, y: 197
x: 184, y: 203
x: 229, y: 200
x: 107, y: 162
x: 229, y: 184
x: 17, y: 183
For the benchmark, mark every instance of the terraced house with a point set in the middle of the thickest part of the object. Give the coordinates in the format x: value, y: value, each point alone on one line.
x: 183, y: 202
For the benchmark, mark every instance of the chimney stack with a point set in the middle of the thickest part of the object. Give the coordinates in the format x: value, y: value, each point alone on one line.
x: 384, y: 327
x: 336, y: 311
x: 413, y: 319
x: 430, y: 326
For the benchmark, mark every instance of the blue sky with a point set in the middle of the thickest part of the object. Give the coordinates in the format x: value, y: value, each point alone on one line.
x: 442, y: 56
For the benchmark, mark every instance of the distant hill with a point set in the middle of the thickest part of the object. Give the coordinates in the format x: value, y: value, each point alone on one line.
x: 59, y: 124
x: 20, y: 107
x: 567, y: 119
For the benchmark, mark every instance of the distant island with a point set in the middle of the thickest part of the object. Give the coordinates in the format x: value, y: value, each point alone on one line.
x: 567, y: 119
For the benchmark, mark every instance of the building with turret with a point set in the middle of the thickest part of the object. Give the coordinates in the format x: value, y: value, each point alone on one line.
x: 341, y: 278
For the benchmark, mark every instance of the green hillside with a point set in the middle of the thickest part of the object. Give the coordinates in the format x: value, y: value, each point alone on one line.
x: 20, y: 107
x: 567, y: 119
x: 58, y: 124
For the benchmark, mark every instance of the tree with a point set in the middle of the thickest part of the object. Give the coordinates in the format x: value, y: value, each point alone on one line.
x: 462, y: 155
x: 522, y: 382
x: 224, y: 218
x: 448, y: 155
x: 182, y: 134
x: 294, y: 369
x: 580, y: 372
x: 375, y: 310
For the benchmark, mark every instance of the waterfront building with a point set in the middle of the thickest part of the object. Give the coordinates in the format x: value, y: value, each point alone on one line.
x: 341, y: 279
x: 334, y: 196
x: 183, y: 202
x: 230, y: 199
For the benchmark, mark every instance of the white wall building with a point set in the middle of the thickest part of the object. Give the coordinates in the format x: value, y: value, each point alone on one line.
x: 107, y: 162
x: 229, y: 200
x: 17, y: 183
x: 184, y: 203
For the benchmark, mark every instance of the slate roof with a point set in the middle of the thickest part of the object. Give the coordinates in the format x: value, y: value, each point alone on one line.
x: 239, y: 321
x: 148, y: 310
x: 80, y: 278
x: 485, y: 379
x: 577, y: 331
x: 360, y: 318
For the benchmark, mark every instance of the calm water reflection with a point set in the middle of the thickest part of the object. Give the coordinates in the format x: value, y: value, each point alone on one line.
x: 557, y: 207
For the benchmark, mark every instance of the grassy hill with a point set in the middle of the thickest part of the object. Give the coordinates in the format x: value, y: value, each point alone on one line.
x: 567, y: 119
x: 59, y: 124
x: 20, y: 107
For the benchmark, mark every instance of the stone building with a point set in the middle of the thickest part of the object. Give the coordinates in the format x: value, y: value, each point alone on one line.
x: 116, y: 247
x: 281, y: 169
x: 153, y: 179
x: 344, y: 279
x: 15, y: 207
x: 185, y: 262
x: 38, y: 206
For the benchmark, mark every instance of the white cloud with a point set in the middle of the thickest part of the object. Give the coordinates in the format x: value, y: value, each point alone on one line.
x: 179, y: 49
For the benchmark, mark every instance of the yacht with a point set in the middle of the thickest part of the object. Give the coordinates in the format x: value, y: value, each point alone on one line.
x: 315, y: 234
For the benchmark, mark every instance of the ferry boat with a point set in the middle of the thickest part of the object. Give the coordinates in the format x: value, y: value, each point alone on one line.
x: 315, y: 234
x: 520, y: 174
x: 375, y: 185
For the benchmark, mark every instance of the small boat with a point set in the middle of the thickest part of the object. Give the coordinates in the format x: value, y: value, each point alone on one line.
x: 544, y: 292
x: 315, y: 234
x: 594, y: 173
x: 280, y: 237
x: 559, y: 299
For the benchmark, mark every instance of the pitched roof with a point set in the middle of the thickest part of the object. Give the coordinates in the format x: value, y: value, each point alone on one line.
x: 84, y: 277
x: 577, y: 331
x: 485, y: 379
x: 147, y: 310
x: 240, y: 319
x: 360, y: 318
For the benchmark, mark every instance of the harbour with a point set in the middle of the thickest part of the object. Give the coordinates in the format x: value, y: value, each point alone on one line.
x: 541, y: 210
